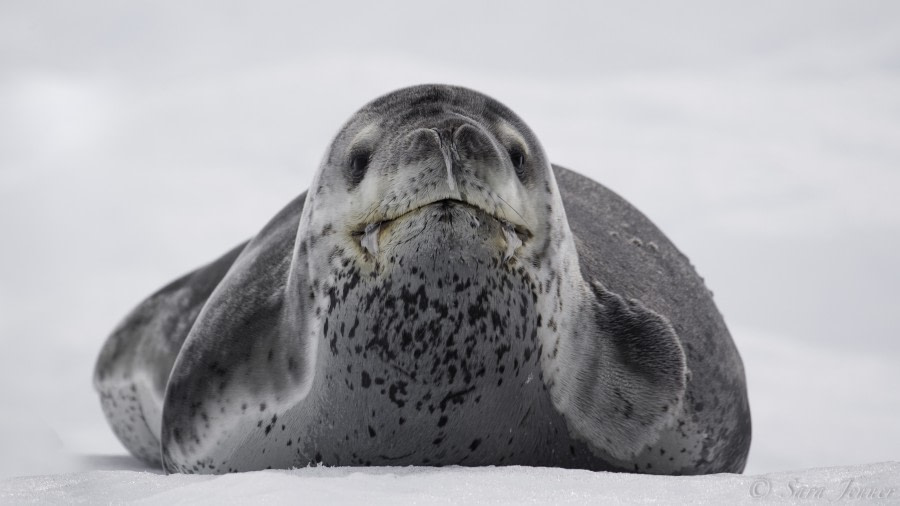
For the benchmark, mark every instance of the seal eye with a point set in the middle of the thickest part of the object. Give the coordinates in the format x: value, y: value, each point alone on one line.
x: 517, y: 157
x: 359, y: 162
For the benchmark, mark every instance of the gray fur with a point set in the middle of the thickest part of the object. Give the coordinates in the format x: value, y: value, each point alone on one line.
x: 507, y: 314
x: 135, y: 362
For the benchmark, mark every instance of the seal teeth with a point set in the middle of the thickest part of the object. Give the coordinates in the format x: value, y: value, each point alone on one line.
x: 512, y: 240
x: 369, y: 239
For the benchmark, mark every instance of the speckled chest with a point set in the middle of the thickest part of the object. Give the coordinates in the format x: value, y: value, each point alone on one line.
x: 431, y: 355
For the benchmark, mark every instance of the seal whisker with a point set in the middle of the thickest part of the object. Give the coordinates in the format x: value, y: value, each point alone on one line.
x: 514, y: 210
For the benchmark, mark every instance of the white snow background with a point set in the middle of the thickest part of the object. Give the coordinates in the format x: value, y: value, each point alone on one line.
x: 141, y: 139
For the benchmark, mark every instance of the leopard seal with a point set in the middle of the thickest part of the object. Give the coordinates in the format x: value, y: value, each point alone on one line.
x: 441, y: 295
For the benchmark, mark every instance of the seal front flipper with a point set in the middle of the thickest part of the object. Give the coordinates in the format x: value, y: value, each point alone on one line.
x: 135, y: 362
x: 247, y: 355
x: 624, y: 374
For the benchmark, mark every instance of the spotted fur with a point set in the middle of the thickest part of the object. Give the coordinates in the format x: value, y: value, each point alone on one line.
x: 442, y: 295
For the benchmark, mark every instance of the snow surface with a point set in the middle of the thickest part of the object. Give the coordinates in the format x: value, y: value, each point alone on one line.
x: 390, y: 486
x: 139, y: 140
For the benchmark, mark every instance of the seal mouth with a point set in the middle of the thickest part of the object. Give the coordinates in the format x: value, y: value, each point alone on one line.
x: 523, y: 232
x: 516, y: 234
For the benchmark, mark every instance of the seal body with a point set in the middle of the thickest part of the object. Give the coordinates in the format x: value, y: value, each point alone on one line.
x: 441, y: 295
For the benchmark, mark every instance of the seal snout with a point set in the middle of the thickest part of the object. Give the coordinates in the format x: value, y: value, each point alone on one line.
x: 453, y: 167
x: 467, y: 151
